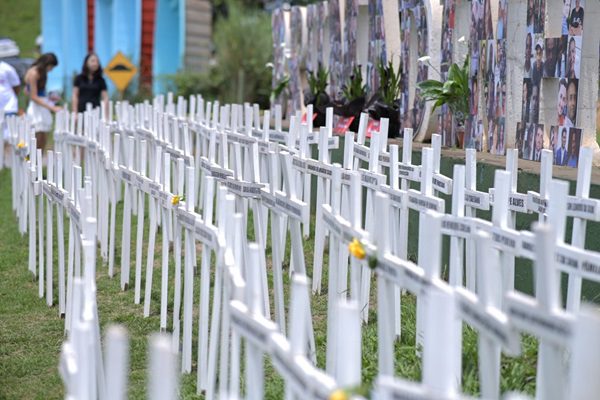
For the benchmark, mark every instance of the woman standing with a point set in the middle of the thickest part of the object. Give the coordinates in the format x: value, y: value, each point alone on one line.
x: 89, y: 85
x: 39, y: 108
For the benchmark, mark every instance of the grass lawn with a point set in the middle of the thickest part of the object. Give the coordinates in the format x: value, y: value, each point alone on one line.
x: 20, y: 21
x: 31, y: 333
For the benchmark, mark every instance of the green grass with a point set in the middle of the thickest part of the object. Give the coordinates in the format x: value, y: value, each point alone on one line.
x: 20, y: 21
x: 31, y: 333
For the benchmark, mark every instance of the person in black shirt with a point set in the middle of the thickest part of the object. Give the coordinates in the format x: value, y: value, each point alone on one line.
x: 89, y: 85
x: 576, y: 20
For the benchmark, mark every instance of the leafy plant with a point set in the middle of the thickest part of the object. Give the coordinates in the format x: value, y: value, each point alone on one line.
x: 354, y: 88
x: 454, y: 92
x: 317, y: 81
x: 390, y: 83
x: 279, y: 88
x: 237, y: 72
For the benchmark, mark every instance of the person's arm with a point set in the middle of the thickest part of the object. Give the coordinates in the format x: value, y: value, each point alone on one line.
x: 32, y: 80
x: 75, y: 99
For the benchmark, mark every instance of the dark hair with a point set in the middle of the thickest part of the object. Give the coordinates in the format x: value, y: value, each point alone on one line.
x: 42, y: 64
x: 85, y: 71
x: 563, y: 82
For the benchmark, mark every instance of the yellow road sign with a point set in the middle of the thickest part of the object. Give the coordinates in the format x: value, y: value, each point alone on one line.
x: 120, y: 70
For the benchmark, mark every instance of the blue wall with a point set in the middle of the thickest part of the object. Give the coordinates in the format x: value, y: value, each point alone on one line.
x: 64, y: 31
x: 169, y: 40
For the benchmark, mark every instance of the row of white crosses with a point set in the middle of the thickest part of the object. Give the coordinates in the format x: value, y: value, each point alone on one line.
x: 427, y: 168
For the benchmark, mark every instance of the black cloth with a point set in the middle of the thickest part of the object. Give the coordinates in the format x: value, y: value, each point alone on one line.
x: 576, y: 18
x: 89, y: 90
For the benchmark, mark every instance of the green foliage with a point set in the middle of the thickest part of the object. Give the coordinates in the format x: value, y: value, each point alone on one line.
x: 279, y: 88
x: 20, y: 21
x: 238, y: 72
x: 354, y: 88
x: 390, y: 83
x: 317, y: 82
x: 454, y: 92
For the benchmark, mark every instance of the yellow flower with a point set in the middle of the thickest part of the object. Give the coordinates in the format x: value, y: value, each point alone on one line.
x: 176, y: 199
x: 26, y: 158
x: 357, y: 250
x: 338, y: 394
x: 20, y: 145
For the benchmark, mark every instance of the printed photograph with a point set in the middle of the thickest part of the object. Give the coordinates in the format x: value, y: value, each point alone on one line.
x: 528, y: 142
x: 572, y: 92
x: 573, y: 57
x: 538, y: 142
x: 565, y: 17
x: 531, y: 11
x: 539, y: 11
x: 576, y: 18
x: 526, y: 99
x: 519, y: 138
x: 574, y: 146
x: 537, y: 69
x: 562, y: 56
x: 534, y: 104
x: 561, y: 103
x: 527, y: 66
x: 551, y: 54
x: 561, y: 148
x: 502, y: 18
x: 491, y: 136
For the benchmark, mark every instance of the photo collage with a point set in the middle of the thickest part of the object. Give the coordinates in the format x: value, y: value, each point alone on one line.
x: 350, y: 29
x: 413, y: 12
x: 295, y: 57
x: 487, y: 78
x: 445, y: 120
x: 279, y: 62
x: 336, y: 62
x: 377, y: 52
x: 552, y: 58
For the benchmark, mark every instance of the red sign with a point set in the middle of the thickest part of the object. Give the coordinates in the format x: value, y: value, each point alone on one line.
x: 342, y: 125
x: 304, y: 117
x: 372, y: 127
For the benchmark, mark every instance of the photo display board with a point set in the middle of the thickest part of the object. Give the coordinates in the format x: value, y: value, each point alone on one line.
x: 557, y: 58
x: 413, y: 18
x: 485, y: 128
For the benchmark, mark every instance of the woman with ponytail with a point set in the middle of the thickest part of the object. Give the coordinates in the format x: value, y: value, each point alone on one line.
x: 39, y: 110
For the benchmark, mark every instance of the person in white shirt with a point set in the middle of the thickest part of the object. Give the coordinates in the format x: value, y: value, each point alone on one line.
x: 9, y: 90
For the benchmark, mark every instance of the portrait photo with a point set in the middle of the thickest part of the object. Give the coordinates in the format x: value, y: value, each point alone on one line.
x: 574, y: 146
x: 519, y: 136
x: 562, y: 56
x: 502, y: 18
x: 537, y: 69
x: 528, y: 60
x: 573, y: 57
x: 529, y: 133
x: 491, y: 136
x: 561, y: 103
x: 551, y: 54
x: 576, y: 18
x: 566, y: 10
x: 534, y: 104
x: 538, y: 142
x: 540, y: 8
x: 561, y: 149
x: 572, y: 95
x: 526, y: 97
